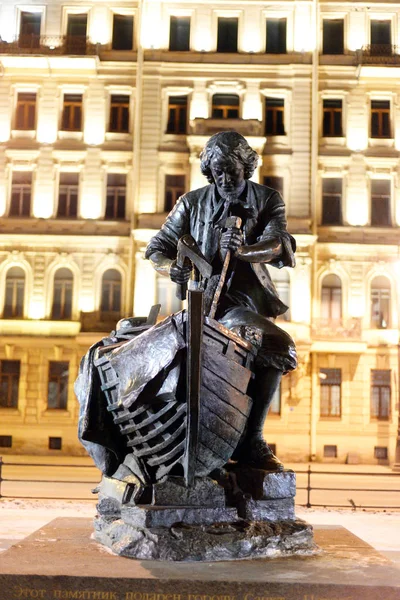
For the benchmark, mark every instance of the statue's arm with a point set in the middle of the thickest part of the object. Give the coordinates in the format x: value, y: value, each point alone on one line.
x: 162, y: 248
x: 275, y: 246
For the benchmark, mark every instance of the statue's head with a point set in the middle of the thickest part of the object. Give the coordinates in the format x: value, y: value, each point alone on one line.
x: 227, y: 150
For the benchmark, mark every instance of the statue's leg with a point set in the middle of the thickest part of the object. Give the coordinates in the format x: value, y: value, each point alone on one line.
x: 255, y: 450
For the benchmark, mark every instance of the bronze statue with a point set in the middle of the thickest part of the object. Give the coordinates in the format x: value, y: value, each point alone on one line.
x: 249, y: 298
x: 172, y: 412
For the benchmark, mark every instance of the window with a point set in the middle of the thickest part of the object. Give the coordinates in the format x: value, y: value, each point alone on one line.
x: 331, y: 201
x: 9, y: 383
x: 380, y: 303
x: 68, y: 195
x: 166, y: 295
x: 15, y: 292
x: 331, y: 298
x: 281, y: 280
x: 381, y: 38
x: 72, y: 113
x: 55, y: 443
x: 111, y: 291
x: 276, y: 183
x: 116, y: 196
x: 62, y: 295
x: 177, y: 114
x: 332, y: 36
x: 331, y: 380
x: 119, y: 114
x: 225, y: 106
x: 76, y: 34
x: 179, y: 34
x: 174, y: 188
x: 330, y: 451
x: 29, y: 31
x: 380, y: 118
x: 26, y: 111
x: 381, y: 452
x: 276, y: 36
x: 122, y: 36
x: 274, y: 116
x: 57, y: 391
x: 380, y: 203
x: 5, y: 441
x: 332, y: 118
x: 275, y: 406
x: 21, y: 191
x: 227, y: 36
x: 380, y: 394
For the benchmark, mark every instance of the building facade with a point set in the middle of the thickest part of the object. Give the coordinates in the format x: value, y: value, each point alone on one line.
x: 104, y: 109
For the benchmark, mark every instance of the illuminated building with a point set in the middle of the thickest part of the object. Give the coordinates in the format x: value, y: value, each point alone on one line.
x: 103, y: 112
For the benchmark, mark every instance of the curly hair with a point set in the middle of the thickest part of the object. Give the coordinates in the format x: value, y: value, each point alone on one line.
x: 229, y: 145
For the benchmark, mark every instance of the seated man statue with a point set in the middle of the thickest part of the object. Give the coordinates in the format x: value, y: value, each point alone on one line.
x: 249, y: 301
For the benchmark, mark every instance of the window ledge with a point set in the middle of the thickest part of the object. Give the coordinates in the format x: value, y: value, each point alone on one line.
x: 56, y: 412
x: 381, y: 142
x: 23, y: 133
x: 115, y: 136
x: 10, y: 412
x: 330, y: 418
x: 332, y: 140
x: 70, y: 135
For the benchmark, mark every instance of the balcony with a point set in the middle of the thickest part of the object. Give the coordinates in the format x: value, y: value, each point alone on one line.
x: 247, y: 127
x: 51, y: 45
x: 338, y: 329
x: 379, y: 54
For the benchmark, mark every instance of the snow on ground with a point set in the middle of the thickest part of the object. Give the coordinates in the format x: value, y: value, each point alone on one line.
x: 20, y: 518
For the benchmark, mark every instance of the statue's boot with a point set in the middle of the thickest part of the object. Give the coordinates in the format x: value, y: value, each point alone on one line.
x: 254, y: 451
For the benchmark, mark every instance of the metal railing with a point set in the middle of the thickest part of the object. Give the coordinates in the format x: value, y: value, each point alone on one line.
x: 379, y: 54
x: 309, y: 488
x: 339, y: 329
x: 53, y: 45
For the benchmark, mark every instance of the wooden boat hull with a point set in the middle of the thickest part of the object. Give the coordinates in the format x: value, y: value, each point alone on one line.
x: 155, y: 427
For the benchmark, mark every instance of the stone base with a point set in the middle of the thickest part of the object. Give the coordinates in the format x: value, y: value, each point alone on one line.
x: 214, y: 542
x: 62, y: 562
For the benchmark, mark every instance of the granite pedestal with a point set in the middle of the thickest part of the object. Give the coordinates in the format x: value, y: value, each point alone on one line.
x: 61, y: 562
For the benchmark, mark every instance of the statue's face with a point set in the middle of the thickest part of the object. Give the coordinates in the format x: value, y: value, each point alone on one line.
x: 228, y: 176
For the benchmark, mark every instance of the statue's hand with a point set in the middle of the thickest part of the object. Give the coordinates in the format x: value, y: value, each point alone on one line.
x: 231, y: 240
x: 179, y: 274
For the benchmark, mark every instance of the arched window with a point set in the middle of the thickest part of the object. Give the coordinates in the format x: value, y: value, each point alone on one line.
x: 331, y: 298
x: 62, y: 294
x: 380, y: 303
x: 111, y: 284
x: 281, y: 281
x: 15, y: 292
x: 225, y: 106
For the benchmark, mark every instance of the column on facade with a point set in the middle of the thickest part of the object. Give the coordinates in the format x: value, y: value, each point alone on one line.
x: 356, y: 34
x: 44, y: 184
x: 151, y: 115
x: 92, y: 186
x: 95, y: 113
x: 199, y: 104
x: 145, y: 279
x: 356, y: 206
x: 202, y: 37
x: 357, y: 120
x: 197, y: 180
x: 304, y: 36
x: 301, y: 291
x: 3, y: 182
x: 48, y: 112
x: 6, y: 104
x: 100, y: 25
x: 300, y: 135
x: 151, y: 32
x: 252, y: 103
x: 397, y: 196
x: 37, y: 304
x: 251, y: 31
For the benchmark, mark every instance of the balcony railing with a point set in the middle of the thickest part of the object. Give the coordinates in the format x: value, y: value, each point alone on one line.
x: 336, y: 329
x: 50, y: 45
x: 251, y: 127
x: 379, y: 54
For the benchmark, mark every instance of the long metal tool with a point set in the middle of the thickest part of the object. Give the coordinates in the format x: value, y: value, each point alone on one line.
x: 194, y: 338
x: 229, y: 223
